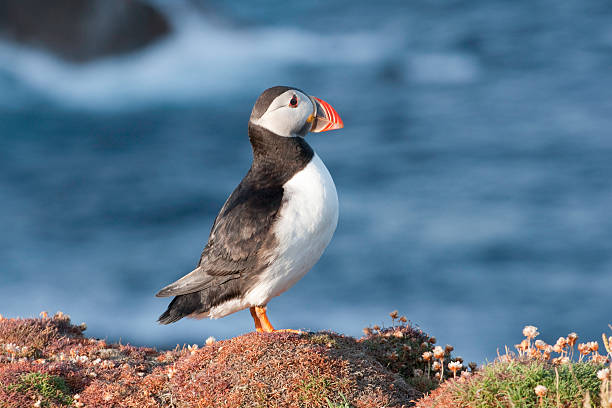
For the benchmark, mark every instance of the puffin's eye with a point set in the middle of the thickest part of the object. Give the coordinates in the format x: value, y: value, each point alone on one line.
x: 293, y: 102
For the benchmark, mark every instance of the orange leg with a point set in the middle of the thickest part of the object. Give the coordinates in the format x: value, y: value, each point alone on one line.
x: 256, y: 319
x: 263, y: 319
x: 265, y: 325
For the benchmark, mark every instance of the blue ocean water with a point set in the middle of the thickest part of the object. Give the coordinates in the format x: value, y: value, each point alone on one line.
x: 474, y: 171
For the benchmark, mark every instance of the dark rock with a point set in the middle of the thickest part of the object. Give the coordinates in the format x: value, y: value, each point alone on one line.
x: 82, y: 30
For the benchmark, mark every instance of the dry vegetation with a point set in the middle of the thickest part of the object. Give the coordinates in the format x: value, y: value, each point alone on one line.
x: 47, y: 362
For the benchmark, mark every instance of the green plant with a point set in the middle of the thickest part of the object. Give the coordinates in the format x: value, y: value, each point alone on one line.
x: 323, y: 339
x: 342, y: 404
x: 316, y: 389
x: 512, y: 384
x: 534, y: 377
x: 49, y: 388
x: 413, y: 354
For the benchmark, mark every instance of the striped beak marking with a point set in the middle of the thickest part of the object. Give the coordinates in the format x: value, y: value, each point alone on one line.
x: 324, y: 117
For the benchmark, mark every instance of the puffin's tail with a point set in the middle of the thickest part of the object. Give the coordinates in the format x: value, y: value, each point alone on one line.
x: 169, y: 317
x: 181, y: 306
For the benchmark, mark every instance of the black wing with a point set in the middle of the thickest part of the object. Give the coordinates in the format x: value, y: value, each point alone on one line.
x: 237, y: 235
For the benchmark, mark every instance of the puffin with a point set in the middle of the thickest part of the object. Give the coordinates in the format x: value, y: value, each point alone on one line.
x: 275, y: 225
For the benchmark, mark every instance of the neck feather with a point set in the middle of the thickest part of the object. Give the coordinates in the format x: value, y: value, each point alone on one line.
x: 275, y: 155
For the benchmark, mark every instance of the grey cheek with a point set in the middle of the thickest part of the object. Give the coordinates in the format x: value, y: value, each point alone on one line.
x: 304, y: 129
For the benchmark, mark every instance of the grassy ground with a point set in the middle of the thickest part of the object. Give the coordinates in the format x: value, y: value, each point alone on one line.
x: 48, y: 362
x: 538, y: 375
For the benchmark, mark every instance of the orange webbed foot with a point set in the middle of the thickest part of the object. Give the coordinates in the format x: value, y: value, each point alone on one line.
x: 263, y: 325
x: 294, y: 331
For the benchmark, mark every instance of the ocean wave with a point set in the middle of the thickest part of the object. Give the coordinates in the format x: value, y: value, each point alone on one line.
x: 200, y: 60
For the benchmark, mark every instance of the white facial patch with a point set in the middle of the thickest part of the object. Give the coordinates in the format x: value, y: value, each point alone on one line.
x: 283, y: 119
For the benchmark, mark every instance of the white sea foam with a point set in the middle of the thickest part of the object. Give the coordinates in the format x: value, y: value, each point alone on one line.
x: 198, y: 61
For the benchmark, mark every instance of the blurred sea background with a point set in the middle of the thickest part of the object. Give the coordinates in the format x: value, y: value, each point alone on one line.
x: 474, y: 171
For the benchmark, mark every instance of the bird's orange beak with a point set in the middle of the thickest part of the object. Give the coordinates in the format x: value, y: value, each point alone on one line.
x: 324, y: 117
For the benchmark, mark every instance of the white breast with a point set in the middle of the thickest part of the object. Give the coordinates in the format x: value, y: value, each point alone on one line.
x: 307, y: 221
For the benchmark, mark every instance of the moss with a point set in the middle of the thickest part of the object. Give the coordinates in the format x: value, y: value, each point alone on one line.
x: 323, y: 339
x: 49, y: 388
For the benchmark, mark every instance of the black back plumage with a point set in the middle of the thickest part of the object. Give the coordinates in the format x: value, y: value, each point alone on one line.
x: 241, y: 239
